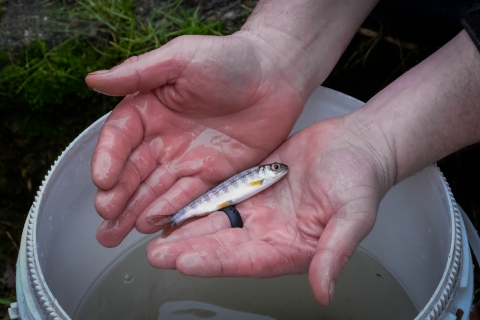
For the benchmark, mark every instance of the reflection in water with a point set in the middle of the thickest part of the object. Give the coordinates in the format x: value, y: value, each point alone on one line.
x: 202, y: 313
x: 197, y: 310
x: 132, y: 289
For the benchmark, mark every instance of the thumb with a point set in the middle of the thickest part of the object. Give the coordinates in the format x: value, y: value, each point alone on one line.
x: 336, y: 245
x: 142, y: 73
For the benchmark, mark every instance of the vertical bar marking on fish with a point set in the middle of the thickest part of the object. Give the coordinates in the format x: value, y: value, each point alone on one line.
x: 232, y: 191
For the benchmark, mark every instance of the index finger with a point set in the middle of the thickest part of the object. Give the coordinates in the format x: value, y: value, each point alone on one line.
x: 121, y: 133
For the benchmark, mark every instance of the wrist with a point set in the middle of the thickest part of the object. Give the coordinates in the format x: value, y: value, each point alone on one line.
x: 369, y: 138
x: 305, y: 38
x: 432, y: 110
x: 356, y: 148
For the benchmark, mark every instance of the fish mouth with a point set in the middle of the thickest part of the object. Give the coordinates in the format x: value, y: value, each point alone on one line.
x: 283, y: 169
x: 280, y: 169
x: 283, y: 173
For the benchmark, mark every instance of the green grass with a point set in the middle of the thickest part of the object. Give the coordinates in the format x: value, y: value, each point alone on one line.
x: 103, y: 33
x: 45, y: 103
x: 3, y: 301
x: 128, y: 33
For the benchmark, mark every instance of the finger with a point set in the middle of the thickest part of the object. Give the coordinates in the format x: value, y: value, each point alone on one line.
x: 141, y: 163
x: 121, y: 133
x: 112, y: 232
x: 184, y: 191
x: 194, y: 228
x: 336, y: 245
x: 145, y: 72
x: 209, y: 232
x: 249, y: 259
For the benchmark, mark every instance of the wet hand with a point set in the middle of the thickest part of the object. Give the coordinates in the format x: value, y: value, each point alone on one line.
x: 197, y: 111
x: 310, y: 221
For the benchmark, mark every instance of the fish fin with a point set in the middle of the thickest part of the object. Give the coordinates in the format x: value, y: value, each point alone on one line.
x: 255, y: 183
x: 225, y: 204
x: 169, y: 228
x: 165, y: 222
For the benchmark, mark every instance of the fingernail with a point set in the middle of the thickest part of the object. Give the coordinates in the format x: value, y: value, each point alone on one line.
x: 95, y: 89
x: 98, y: 72
x: 108, y: 224
x: 331, y: 289
x: 153, y: 218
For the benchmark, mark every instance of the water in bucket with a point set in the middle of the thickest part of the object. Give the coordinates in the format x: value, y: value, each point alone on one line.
x: 131, y: 289
x: 63, y: 272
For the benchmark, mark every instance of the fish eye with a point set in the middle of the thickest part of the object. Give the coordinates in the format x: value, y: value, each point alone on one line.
x: 275, y: 166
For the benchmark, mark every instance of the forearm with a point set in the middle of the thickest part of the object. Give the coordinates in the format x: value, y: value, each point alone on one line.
x: 429, y: 112
x: 307, y: 36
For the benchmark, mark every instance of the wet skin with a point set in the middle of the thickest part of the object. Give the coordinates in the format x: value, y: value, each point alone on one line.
x: 162, y: 148
x: 210, y: 107
x: 311, y: 220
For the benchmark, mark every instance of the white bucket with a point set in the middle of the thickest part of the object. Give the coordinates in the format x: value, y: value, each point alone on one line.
x: 418, y: 237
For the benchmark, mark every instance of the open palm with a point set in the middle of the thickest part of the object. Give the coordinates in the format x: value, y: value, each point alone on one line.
x: 198, y: 110
x: 312, y: 220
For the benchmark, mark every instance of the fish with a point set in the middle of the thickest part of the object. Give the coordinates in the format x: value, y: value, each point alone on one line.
x: 232, y: 191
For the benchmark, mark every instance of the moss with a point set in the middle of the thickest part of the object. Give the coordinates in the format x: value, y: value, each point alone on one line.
x: 45, y: 104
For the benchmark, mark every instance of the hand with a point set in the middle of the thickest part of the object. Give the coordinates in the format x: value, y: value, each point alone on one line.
x: 208, y: 108
x: 340, y: 169
x: 310, y: 221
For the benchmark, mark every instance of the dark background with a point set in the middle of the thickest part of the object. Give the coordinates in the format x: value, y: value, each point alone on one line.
x: 36, y: 124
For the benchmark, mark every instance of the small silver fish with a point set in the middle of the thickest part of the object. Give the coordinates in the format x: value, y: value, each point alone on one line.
x: 232, y: 191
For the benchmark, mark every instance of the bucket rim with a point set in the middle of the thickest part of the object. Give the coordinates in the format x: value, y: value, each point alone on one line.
x: 44, y: 297
x: 53, y: 311
x: 440, y: 299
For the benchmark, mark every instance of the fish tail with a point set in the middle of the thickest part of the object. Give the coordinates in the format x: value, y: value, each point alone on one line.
x: 169, y: 228
x: 166, y: 223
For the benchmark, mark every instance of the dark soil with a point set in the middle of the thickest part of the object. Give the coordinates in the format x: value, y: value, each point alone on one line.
x: 23, y: 21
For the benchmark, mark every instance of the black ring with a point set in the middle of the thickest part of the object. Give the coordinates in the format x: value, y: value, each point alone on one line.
x: 234, y: 216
